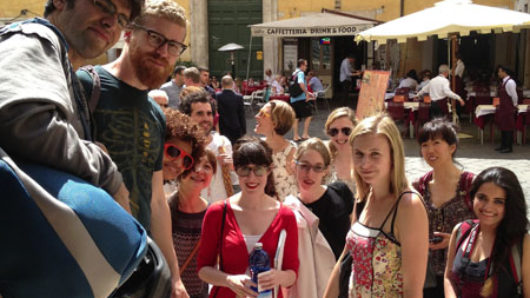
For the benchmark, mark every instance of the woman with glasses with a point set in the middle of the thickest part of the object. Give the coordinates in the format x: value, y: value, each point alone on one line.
x: 187, y: 213
x: 323, y: 216
x: 489, y: 257
x: 184, y: 143
x: 338, y: 127
x: 388, y: 240
x: 232, y: 227
x: 445, y: 190
x: 273, y: 121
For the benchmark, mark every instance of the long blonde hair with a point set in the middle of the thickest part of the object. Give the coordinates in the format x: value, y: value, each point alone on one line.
x: 382, y: 124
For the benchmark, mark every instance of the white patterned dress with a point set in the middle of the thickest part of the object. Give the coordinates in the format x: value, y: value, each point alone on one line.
x: 284, y: 182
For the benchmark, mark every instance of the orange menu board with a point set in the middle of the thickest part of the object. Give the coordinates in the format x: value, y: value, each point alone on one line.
x: 372, y: 95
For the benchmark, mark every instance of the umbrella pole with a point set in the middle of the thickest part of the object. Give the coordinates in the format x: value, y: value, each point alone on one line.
x: 249, y: 55
x: 453, y: 78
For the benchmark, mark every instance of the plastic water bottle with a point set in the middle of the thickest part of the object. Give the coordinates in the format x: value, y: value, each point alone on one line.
x: 259, y: 262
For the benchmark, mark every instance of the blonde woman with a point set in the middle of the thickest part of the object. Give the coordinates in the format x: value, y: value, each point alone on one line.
x: 273, y: 121
x: 338, y: 127
x: 388, y: 241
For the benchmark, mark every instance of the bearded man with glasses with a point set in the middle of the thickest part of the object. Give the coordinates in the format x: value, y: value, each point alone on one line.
x: 132, y: 126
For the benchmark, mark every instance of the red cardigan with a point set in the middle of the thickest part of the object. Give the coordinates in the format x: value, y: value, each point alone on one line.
x: 235, y: 255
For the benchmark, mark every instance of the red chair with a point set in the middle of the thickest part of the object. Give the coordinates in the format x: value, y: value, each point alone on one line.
x: 403, y: 91
x: 423, y: 116
x: 396, y: 111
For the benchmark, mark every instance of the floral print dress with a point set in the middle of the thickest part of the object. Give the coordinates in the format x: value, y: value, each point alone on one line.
x: 376, y: 260
x: 284, y: 182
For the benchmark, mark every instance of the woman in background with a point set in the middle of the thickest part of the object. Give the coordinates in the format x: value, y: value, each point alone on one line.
x: 338, y: 127
x: 273, y: 121
x: 445, y: 191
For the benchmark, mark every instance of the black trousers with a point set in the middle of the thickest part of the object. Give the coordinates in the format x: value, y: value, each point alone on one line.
x: 346, y: 88
x: 506, y: 139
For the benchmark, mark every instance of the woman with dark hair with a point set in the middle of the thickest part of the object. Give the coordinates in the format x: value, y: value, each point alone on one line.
x: 445, y: 190
x: 490, y: 257
x: 187, y: 212
x: 231, y: 228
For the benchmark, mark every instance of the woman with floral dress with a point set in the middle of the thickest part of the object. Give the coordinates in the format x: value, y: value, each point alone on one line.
x: 388, y: 241
x: 273, y: 121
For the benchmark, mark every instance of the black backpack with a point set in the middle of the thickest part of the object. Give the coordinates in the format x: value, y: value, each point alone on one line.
x: 294, y: 87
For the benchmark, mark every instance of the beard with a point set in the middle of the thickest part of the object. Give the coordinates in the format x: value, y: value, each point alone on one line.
x: 149, y: 74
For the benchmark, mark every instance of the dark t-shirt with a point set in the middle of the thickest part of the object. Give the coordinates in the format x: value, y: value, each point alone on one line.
x: 333, y: 209
x: 132, y: 127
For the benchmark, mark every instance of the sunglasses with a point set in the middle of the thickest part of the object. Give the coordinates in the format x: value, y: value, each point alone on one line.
x: 173, y: 152
x: 263, y: 113
x: 306, y: 167
x: 335, y: 131
x: 259, y: 171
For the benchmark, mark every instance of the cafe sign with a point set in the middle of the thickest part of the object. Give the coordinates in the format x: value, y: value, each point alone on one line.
x: 308, y: 32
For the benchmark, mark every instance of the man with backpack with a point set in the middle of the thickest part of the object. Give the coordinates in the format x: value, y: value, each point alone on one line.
x: 300, y: 98
x: 58, y: 188
x: 132, y: 126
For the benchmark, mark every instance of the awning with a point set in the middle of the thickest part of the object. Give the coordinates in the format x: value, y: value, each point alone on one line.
x: 319, y: 24
x: 448, y: 17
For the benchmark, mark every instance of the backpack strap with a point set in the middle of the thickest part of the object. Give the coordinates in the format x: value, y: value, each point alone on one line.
x: 463, y: 230
x: 96, y: 86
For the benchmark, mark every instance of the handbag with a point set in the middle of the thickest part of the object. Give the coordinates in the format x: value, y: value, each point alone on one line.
x: 294, y: 87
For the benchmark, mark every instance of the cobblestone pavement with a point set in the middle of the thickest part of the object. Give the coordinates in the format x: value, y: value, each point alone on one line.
x: 472, y: 155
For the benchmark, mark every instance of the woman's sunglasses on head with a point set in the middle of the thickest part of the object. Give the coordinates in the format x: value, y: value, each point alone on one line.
x: 173, y: 152
x: 335, y: 131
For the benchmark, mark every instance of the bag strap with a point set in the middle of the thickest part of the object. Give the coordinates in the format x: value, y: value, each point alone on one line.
x: 190, y: 257
x: 96, y: 87
x: 219, y: 246
x: 464, y: 230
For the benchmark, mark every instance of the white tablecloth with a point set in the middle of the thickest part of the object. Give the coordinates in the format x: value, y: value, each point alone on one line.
x: 390, y: 95
x: 473, y: 93
x: 482, y: 110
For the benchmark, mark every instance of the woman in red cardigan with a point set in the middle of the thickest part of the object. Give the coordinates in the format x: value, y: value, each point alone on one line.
x: 232, y: 227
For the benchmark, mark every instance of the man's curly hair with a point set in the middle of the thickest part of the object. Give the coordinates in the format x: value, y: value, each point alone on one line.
x: 180, y: 126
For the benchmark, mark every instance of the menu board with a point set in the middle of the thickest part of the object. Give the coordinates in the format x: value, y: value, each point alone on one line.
x: 372, y: 95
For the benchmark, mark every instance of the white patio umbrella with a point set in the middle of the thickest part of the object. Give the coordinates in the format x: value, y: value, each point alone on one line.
x: 448, y: 18
x: 445, y: 18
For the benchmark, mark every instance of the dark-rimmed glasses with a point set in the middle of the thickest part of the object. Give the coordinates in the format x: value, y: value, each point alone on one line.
x: 335, y: 131
x: 109, y: 8
x: 259, y: 171
x: 306, y: 167
x: 173, y: 152
x: 157, y: 40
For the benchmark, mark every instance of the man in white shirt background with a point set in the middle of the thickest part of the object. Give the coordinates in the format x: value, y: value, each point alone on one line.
x: 345, y: 77
x: 439, y: 90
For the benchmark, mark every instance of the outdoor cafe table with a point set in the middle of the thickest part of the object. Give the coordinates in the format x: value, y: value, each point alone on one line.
x: 483, y: 112
x: 411, y: 107
x: 390, y: 95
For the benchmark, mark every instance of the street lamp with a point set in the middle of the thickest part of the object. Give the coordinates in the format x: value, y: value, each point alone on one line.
x: 232, y: 48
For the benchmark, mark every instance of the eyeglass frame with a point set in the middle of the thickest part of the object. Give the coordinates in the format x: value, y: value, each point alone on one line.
x: 110, y: 8
x: 263, y: 113
x: 183, y: 154
x: 332, y: 132
x: 253, y: 169
x: 307, y: 167
x: 165, y: 40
